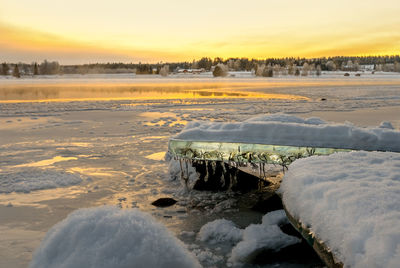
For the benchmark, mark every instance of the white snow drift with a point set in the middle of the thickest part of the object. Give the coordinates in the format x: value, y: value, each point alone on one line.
x: 281, y: 129
x: 220, y: 231
x: 351, y: 201
x: 31, y: 179
x: 264, y: 236
x: 110, y: 237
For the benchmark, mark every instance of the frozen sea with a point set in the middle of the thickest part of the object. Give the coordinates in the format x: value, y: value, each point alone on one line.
x: 70, y: 142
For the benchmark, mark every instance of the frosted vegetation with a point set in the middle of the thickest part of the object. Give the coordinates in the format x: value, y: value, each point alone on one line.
x: 350, y: 201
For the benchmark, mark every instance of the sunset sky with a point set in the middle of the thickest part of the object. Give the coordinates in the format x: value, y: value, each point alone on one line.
x: 72, y: 31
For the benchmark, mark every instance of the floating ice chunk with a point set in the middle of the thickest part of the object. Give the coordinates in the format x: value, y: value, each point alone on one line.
x: 206, y: 257
x: 187, y: 234
x: 277, y: 217
x: 351, y: 201
x: 220, y: 231
x: 386, y: 124
x: 264, y: 236
x: 31, y: 179
x: 110, y: 237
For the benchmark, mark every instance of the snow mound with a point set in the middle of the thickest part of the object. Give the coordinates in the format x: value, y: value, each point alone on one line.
x: 31, y: 179
x: 293, y: 131
x: 351, y: 201
x: 110, y: 237
x: 264, y: 236
x: 286, y: 119
x: 220, y: 231
x: 207, y: 258
x: 386, y: 124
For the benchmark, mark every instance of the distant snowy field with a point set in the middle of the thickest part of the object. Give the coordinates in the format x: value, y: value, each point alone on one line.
x: 58, y: 155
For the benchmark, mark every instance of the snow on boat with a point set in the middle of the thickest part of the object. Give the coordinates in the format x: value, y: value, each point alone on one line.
x: 347, y: 206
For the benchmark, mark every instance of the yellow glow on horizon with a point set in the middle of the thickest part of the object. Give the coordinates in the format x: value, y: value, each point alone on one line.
x: 130, y: 31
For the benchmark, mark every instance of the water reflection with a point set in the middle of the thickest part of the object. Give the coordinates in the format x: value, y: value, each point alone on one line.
x: 47, y: 162
x: 156, y: 156
x: 150, y: 91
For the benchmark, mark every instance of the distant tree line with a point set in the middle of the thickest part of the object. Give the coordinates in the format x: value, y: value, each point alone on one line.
x: 261, y: 67
x: 18, y: 69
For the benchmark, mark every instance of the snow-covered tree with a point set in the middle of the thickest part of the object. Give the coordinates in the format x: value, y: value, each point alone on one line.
x: 164, y: 70
x: 268, y: 71
x: 397, y: 67
x: 306, y: 68
x: 331, y: 66
x: 277, y: 69
x: 16, y: 72
x: 291, y: 68
x: 4, y: 69
x: 318, y: 70
x: 35, y: 69
x: 260, y: 69
x: 220, y: 70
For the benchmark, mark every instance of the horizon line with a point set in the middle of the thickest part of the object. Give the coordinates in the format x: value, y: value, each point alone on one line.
x: 212, y: 58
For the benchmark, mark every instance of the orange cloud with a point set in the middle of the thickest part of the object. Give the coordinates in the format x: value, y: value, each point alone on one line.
x: 24, y: 44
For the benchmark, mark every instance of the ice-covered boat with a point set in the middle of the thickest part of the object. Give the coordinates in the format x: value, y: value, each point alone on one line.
x: 278, y: 139
x: 281, y: 139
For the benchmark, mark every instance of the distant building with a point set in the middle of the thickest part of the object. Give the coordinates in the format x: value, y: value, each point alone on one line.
x: 367, y: 67
x: 190, y: 71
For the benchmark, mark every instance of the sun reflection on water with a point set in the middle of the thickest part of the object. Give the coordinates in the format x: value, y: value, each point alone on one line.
x: 47, y: 162
x: 144, y: 91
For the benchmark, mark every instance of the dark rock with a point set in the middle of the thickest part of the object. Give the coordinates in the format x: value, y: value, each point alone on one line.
x: 346, y: 74
x: 301, y: 253
x: 358, y: 74
x: 272, y: 203
x: 288, y: 229
x: 164, y: 202
x: 323, y: 99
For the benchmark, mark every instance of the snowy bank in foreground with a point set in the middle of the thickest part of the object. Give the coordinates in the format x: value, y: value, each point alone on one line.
x: 281, y: 129
x: 31, y: 179
x: 351, y: 201
x: 110, y: 237
x: 261, y: 237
